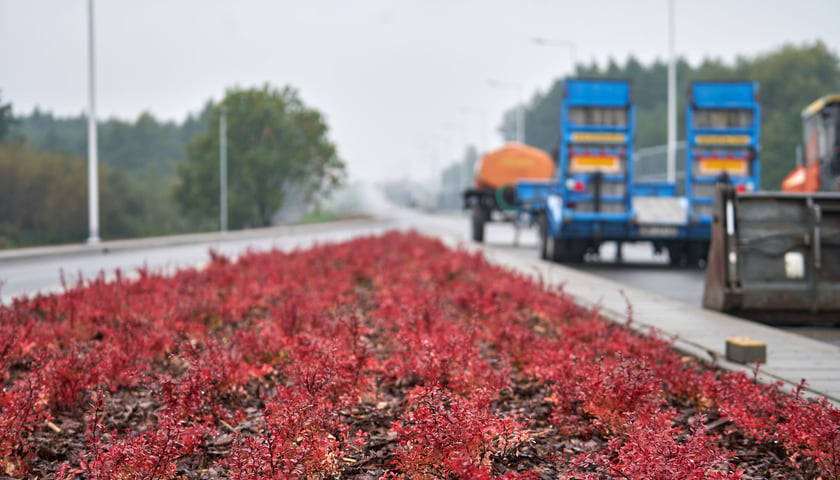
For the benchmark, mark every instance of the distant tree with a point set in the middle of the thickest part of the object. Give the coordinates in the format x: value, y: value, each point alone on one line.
x: 43, y: 199
x: 542, y: 119
x: 277, y: 146
x: 6, y: 120
x: 141, y: 155
x: 789, y: 78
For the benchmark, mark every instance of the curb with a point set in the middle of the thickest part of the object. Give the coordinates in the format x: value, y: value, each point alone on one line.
x: 171, y: 240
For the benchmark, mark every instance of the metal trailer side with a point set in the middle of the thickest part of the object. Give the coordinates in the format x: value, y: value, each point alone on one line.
x: 723, y: 145
x: 775, y: 257
x: 591, y: 199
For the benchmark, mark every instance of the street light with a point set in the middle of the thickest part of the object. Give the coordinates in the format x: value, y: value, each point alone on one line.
x: 672, y: 97
x: 560, y: 43
x: 93, y: 161
x: 223, y: 174
x: 520, y: 120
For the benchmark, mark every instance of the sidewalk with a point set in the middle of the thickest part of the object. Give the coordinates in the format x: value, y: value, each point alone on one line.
x: 701, y: 333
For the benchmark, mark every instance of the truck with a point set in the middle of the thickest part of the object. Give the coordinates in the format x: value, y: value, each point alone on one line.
x: 493, y: 196
x: 593, y: 198
x: 775, y: 256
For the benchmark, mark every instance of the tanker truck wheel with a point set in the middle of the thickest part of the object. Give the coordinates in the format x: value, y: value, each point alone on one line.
x: 479, y: 218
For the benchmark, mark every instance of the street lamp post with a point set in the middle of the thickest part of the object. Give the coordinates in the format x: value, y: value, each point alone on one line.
x: 93, y: 161
x: 561, y: 43
x: 520, y: 117
x: 672, y: 97
x: 223, y: 197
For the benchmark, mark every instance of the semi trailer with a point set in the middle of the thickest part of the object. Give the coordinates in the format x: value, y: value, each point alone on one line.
x: 593, y: 198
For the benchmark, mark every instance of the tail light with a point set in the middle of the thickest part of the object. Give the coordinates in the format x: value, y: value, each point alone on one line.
x: 740, y: 188
x: 575, y: 185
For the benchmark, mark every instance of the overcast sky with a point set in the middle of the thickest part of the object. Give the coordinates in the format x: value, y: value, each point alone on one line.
x: 403, y: 83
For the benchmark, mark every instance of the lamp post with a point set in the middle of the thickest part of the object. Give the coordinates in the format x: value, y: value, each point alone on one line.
x: 223, y: 198
x: 93, y: 161
x: 561, y: 43
x: 520, y: 117
x: 672, y: 97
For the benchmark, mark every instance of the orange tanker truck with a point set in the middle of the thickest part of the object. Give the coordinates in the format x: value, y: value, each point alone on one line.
x: 494, y: 195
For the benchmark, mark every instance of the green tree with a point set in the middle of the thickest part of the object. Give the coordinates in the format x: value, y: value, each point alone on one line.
x: 43, y: 199
x: 277, y: 147
x: 789, y: 78
x: 142, y: 154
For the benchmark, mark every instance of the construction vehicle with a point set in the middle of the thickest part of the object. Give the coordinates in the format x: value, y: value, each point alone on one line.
x: 594, y: 199
x: 775, y: 256
x: 494, y: 198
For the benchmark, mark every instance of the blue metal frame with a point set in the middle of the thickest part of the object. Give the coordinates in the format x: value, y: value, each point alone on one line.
x: 566, y: 222
x: 719, y: 96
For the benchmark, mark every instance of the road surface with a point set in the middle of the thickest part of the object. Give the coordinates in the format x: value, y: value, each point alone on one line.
x: 642, y: 268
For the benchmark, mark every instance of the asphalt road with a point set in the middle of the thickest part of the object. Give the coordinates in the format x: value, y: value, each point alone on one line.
x: 30, y: 275
x: 642, y: 268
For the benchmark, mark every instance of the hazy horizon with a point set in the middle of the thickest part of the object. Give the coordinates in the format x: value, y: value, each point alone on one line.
x: 404, y: 86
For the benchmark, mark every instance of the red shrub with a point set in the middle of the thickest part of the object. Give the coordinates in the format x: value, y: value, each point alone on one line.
x: 21, y: 411
x: 652, y: 447
x: 443, y: 433
x: 301, y: 439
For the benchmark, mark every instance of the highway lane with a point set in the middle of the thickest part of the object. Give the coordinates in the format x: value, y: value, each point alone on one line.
x: 641, y: 268
x: 43, y: 273
x: 27, y: 276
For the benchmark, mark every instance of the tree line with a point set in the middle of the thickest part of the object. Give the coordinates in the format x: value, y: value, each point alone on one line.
x: 789, y: 78
x: 158, y: 177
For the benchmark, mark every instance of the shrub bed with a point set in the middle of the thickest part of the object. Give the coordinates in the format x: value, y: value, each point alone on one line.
x: 381, y: 357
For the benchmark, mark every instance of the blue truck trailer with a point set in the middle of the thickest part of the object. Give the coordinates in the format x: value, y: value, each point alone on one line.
x: 593, y: 198
x: 723, y: 143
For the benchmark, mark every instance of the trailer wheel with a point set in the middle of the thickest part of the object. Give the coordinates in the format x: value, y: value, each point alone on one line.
x: 479, y: 218
x: 553, y: 249
x: 550, y: 248
x: 677, y: 254
x: 697, y: 253
x: 574, y: 251
x: 542, y: 227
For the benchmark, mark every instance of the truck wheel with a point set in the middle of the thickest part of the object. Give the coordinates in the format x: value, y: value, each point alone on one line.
x: 542, y: 226
x: 479, y: 218
x: 553, y: 249
x: 574, y: 251
x: 677, y: 255
x: 550, y: 248
x: 697, y: 252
